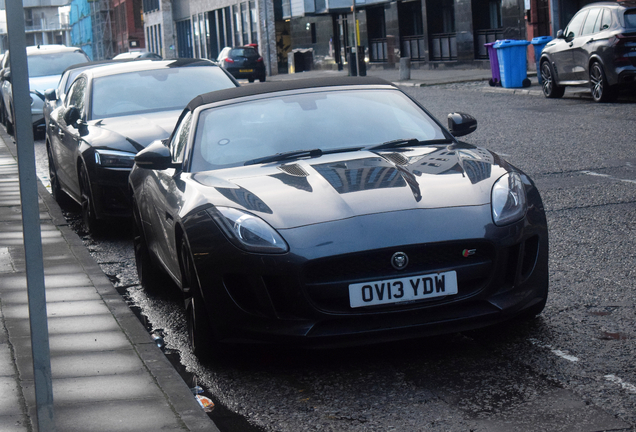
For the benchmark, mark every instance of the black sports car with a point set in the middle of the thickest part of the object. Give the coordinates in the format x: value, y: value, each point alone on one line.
x: 109, y: 114
x: 335, y: 211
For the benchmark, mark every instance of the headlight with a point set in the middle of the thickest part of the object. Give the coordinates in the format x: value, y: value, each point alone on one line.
x: 247, y: 231
x: 114, y: 159
x: 509, y: 202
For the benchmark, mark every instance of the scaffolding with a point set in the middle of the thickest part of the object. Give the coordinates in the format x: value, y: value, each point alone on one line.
x: 101, y: 17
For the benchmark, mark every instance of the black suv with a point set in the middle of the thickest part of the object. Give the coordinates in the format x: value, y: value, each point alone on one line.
x: 597, y: 48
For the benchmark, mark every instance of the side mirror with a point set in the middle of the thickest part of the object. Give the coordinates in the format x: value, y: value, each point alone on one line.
x: 72, y: 115
x: 156, y: 157
x: 560, y: 34
x: 460, y: 124
x: 50, y: 94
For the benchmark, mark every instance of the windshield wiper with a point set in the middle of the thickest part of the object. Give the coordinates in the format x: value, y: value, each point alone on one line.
x: 407, y: 142
x: 285, y: 155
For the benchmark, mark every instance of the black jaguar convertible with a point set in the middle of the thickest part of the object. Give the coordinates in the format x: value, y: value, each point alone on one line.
x: 334, y: 211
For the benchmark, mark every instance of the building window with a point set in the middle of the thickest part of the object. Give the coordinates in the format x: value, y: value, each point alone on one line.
x: 254, y: 21
x: 150, y: 5
x: 237, y: 25
x: 184, y: 38
x: 197, y: 38
x: 244, y: 23
x: 495, y: 14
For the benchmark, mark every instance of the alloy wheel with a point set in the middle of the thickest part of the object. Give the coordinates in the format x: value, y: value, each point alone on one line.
x: 550, y: 89
x: 601, y: 91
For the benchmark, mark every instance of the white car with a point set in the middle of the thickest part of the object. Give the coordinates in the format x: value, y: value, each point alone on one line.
x: 46, y: 64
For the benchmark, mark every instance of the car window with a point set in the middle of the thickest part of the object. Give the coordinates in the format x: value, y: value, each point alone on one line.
x: 630, y: 19
x: 76, y: 94
x: 574, y: 27
x: 590, y: 25
x: 606, y: 20
x: 154, y: 90
x: 54, y: 63
x: 243, y: 52
x: 180, y: 138
x: 233, y: 134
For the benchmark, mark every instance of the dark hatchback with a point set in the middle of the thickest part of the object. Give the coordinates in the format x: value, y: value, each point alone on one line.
x: 334, y: 211
x: 108, y: 115
x: 243, y: 62
x: 597, y: 48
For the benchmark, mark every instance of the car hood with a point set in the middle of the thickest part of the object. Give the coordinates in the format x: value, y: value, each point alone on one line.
x: 43, y: 83
x: 345, y: 185
x: 142, y: 129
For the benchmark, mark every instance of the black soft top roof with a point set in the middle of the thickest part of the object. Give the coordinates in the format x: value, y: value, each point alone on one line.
x: 279, y: 86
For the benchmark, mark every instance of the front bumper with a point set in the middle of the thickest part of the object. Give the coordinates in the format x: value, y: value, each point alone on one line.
x: 302, y: 297
x: 109, y: 188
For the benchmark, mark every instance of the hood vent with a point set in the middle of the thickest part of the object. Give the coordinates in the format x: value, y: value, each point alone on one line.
x: 397, y: 158
x: 293, y: 170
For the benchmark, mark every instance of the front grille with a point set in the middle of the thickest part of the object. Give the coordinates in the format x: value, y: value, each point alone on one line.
x: 328, y: 280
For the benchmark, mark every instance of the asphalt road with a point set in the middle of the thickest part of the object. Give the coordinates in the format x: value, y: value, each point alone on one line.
x: 571, y: 369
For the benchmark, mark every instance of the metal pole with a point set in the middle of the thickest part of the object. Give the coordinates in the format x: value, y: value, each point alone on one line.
x: 30, y: 217
x: 355, y: 36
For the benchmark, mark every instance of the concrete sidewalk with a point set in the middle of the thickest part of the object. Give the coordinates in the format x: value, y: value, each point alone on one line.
x: 419, y: 77
x: 108, y: 374
x: 439, y: 76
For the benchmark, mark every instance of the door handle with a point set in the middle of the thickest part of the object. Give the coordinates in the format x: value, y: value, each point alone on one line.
x: 60, y: 133
x: 591, y: 40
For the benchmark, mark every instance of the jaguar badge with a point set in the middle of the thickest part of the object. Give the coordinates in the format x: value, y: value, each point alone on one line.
x: 399, y: 260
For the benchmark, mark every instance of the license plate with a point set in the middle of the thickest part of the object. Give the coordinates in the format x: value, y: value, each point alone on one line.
x: 402, y: 289
x: 246, y: 70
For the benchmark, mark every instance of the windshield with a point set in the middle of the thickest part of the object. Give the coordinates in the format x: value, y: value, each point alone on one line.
x: 154, y: 90
x: 54, y: 63
x: 243, y: 52
x: 326, y: 120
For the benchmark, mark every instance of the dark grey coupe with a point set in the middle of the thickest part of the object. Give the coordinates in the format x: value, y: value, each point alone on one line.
x: 110, y: 113
x: 334, y: 211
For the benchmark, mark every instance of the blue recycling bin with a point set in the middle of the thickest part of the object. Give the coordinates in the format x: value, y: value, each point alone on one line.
x: 539, y: 43
x: 513, y: 62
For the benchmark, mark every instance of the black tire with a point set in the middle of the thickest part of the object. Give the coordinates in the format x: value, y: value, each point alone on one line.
x: 200, y: 334
x: 550, y: 88
x: 91, y: 223
x: 151, y: 277
x: 250, y: 80
x: 526, y: 83
x: 262, y: 78
x: 601, y: 90
x: 56, y: 190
